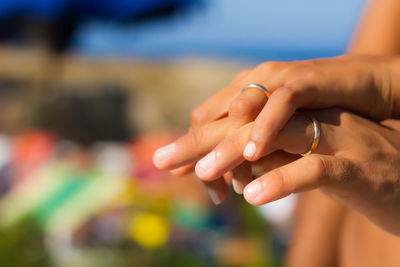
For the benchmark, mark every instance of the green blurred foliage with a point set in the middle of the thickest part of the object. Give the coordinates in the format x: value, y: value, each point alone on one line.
x: 22, y: 245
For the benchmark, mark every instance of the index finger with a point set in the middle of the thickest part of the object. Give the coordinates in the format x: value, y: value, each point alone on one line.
x: 192, y: 146
x: 217, y: 105
x: 269, y: 74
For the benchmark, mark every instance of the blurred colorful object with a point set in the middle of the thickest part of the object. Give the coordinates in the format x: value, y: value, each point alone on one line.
x: 119, y: 9
x: 150, y: 230
x: 55, y: 22
x: 81, y: 200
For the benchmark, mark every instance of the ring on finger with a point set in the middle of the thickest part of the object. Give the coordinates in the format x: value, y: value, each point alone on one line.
x: 258, y: 86
x: 316, y: 137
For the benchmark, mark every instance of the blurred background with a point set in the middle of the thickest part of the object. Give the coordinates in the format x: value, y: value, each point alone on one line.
x: 90, y: 88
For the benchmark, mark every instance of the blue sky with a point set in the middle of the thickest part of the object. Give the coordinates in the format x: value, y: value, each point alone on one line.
x: 235, y: 29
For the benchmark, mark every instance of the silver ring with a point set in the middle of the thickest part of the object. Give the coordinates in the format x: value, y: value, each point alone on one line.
x: 256, y: 85
x: 316, y: 138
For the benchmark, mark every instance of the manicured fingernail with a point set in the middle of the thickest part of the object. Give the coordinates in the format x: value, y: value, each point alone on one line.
x: 250, y: 149
x: 204, y: 166
x: 214, y: 196
x: 253, y: 190
x: 162, y: 154
x: 237, y: 186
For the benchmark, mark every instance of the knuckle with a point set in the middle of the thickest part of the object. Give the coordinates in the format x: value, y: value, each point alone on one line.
x: 347, y: 119
x: 226, y: 148
x: 242, y: 74
x: 319, y: 168
x: 348, y: 171
x: 296, y: 67
x: 240, y: 107
x: 268, y: 66
x: 195, y: 138
x: 245, y: 72
x: 287, y: 95
x: 197, y: 115
x: 314, y: 75
x: 285, y: 184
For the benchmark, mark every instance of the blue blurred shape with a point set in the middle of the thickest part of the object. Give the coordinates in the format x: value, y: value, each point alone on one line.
x: 35, y: 8
x: 119, y: 9
x: 255, y: 30
x: 122, y: 9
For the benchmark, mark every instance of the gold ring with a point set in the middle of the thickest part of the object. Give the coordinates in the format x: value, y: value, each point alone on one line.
x: 316, y: 138
x: 258, y: 86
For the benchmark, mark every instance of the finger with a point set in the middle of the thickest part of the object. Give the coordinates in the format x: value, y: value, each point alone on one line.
x: 243, y: 109
x: 272, y: 161
x: 217, y: 190
x: 247, y: 105
x: 192, y: 146
x: 295, y: 138
x: 306, y: 173
x: 217, y: 105
x: 241, y: 177
x: 228, y: 177
x: 243, y: 174
x: 279, y: 109
x: 269, y: 74
x: 183, y: 170
x: 226, y: 156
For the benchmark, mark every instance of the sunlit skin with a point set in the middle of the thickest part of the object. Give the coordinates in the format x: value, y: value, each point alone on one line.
x: 306, y: 84
x: 357, y: 162
x: 366, y: 85
x: 370, y: 80
x: 326, y: 221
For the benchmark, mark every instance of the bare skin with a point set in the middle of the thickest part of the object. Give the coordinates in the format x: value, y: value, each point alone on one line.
x: 384, y: 100
x: 329, y: 234
x: 377, y: 34
x: 319, y: 221
x: 357, y: 162
x: 378, y: 31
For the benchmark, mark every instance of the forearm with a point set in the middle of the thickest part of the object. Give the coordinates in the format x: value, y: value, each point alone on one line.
x: 378, y: 31
x: 316, y: 236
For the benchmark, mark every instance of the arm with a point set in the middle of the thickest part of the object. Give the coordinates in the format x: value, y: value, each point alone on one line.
x: 317, y: 231
x: 378, y: 32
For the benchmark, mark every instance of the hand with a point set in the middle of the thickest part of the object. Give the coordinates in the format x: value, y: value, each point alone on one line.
x: 357, y: 162
x: 360, y: 168
x: 254, y: 101
x: 198, y: 142
x: 336, y: 82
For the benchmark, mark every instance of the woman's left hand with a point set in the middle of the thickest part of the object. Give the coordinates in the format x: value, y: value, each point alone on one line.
x: 357, y: 162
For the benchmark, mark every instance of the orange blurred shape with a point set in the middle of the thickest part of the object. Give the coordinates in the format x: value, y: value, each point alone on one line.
x: 143, y: 149
x: 145, y: 146
x: 32, y: 149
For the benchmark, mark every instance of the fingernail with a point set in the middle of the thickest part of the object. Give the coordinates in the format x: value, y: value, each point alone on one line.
x: 214, y: 196
x: 237, y: 186
x: 253, y: 190
x: 162, y: 154
x: 204, y: 166
x: 250, y: 149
